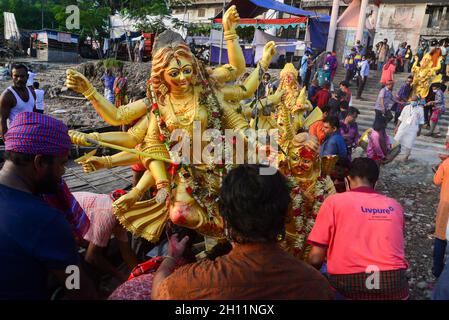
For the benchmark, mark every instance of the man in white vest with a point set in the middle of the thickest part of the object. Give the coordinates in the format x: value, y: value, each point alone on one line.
x: 17, y: 98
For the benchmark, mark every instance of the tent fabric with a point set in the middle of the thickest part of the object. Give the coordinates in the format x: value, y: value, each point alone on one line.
x: 282, y: 45
x: 318, y: 31
x: 253, y: 8
x: 215, y: 55
x: 268, y: 23
x: 120, y: 25
x: 11, y: 29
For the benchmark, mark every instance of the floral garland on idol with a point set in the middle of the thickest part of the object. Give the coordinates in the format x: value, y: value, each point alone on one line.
x: 304, y: 217
x: 203, y: 196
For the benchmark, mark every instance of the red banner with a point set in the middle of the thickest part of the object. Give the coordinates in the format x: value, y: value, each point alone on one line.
x: 269, y: 21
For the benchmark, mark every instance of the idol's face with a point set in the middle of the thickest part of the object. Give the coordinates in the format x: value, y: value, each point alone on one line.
x: 179, y: 74
x: 289, y: 79
x: 302, y: 160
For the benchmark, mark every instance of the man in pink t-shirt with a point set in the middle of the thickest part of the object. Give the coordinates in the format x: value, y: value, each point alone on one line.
x: 362, y: 234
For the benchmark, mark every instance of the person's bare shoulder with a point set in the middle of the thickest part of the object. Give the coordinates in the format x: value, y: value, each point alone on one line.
x: 7, y: 99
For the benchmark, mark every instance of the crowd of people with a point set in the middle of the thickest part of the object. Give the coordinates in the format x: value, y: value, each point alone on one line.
x: 45, y: 229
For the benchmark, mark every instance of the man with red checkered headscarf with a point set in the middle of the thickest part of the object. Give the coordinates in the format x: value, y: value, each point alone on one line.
x: 35, y: 239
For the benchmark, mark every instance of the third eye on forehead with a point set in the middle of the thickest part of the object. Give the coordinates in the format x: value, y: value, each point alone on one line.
x: 175, y: 66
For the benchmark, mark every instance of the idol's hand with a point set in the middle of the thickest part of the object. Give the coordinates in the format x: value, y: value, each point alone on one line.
x: 93, y: 164
x: 81, y: 139
x: 231, y: 19
x: 268, y: 53
x: 125, y: 202
x: 77, y: 82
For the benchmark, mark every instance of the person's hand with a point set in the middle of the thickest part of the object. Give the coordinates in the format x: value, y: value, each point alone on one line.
x: 176, y: 248
x: 77, y: 81
x: 269, y: 51
x: 231, y: 19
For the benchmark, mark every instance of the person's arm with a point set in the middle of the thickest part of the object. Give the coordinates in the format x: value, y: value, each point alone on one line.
x: 56, y: 250
x: 322, y: 234
x: 439, y: 175
x: 398, y: 125
x: 175, y: 250
x: 342, y: 149
x: 126, y: 252
x: 34, y: 96
x: 6, y: 104
x: 382, y: 101
x: 95, y: 257
x: 317, y: 256
x: 419, y: 130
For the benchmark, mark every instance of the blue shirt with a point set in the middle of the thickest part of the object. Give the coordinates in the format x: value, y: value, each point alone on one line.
x: 34, y: 238
x: 364, y: 69
x: 387, y: 95
x: 334, y: 145
x: 404, y: 91
x: 304, y: 64
x: 108, y: 81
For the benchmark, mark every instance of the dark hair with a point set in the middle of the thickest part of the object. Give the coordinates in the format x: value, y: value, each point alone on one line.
x: 344, y: 104
x: 380, y: 124
x: 36, y: 84
x: 325, y: 108
x: 326, y: 85
x: 333, y: 121
x: 410, y: 77
x: 18, y: 66
x: 23, y: 159
x: 267, y: 74
x: 364, y: 168
x: 220, y: 249
x: 254, y: 206
x: 344, y: 83
x: 353, y: 111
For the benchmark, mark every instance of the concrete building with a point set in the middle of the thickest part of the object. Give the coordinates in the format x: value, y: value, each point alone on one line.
x: 199, y: 11
x: 56, y: 46
x: 411, y: 21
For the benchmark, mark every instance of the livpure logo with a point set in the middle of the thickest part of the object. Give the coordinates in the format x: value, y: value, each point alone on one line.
x: 388, y: 210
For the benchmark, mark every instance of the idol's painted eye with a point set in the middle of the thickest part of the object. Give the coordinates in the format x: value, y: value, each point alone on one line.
x: 187, y: 71
x: 173, y: 74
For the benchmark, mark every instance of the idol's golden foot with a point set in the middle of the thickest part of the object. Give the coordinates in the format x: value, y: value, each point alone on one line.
x: 125, y: 202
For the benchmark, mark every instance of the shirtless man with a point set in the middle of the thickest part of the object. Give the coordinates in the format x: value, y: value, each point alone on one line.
x: 17, y: 98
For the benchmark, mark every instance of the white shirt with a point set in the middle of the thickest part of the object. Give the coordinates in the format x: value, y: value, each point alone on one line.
x: 31, y: 76
x: 39, y: 99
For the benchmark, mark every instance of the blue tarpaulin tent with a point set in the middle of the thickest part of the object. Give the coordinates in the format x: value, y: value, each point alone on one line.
x: 318, y: 23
